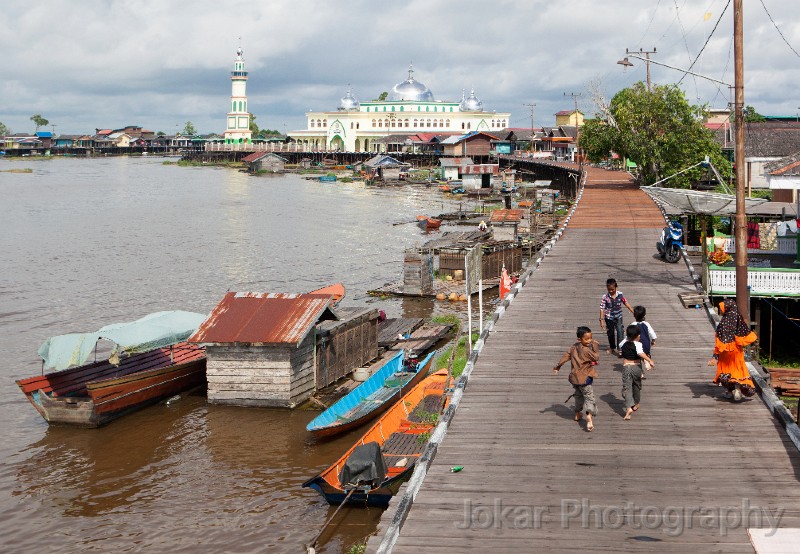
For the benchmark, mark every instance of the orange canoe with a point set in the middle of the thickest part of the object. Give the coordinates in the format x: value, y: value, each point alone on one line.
x: 402, y: 434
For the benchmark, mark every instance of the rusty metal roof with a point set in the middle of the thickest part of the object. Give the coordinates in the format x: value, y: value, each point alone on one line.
x: 264, y: 318
x: 508, y: 215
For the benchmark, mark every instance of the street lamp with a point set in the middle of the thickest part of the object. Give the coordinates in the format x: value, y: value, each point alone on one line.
x: 624, y: 62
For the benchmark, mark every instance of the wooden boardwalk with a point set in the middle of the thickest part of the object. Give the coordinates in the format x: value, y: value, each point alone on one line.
x: 688, y: 473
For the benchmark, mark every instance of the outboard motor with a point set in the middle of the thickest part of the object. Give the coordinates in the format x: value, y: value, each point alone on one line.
x: 365, y: 468
x: 671, y: 242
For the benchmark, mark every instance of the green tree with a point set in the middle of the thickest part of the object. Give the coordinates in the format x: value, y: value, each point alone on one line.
x: 189, y: 130
x: 383, y: 96
x: 253, y: 126
x: 750, y: 114
x: 161, y: 134
x: 39, y: 121
x: 4, y: 130
x: 659, y: 131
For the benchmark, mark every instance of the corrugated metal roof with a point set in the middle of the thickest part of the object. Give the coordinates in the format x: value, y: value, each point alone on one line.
x: 508, y: 215
x: 263, y: 318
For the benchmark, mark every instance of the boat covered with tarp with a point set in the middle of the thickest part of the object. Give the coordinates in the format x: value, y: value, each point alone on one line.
x: 372, y: 397
x: 145, y: 361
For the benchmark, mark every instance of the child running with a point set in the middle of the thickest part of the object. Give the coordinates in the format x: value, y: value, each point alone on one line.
x: 632, y: 356
x: 611, y: 315
x: 583, y: 356
x: 648, y: 335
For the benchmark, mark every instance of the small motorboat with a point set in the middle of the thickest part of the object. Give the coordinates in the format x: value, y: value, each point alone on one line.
x: 395, y: 443
x: 372, y: 397
x: 428, y: 223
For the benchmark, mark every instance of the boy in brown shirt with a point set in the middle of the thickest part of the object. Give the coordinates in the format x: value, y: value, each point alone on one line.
x: 583, y: 356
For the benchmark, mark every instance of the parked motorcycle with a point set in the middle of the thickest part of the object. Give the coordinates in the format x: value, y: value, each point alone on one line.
x: 671, y: 242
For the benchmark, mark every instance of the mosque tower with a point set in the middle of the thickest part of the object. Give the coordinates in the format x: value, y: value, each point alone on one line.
x: 238, y: 129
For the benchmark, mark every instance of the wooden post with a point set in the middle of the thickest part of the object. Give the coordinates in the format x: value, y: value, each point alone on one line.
x: 741, y: 216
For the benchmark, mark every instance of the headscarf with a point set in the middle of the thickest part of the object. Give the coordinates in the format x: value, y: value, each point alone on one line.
x: 732, y: 323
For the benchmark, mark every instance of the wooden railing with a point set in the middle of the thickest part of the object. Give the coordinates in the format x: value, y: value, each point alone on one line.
x: 721, y: 281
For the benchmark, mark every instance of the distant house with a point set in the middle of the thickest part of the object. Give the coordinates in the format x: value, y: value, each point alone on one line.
x: 451, y: 167
x: 265, y: 161
x: 66, y: 141
x: 572, y: 118
x: 386, y: 167
x: 768, y: 141
x: 46, y: 138
x: 472, y: 175
x: 120, y: 140
x: 560, y: 141
x: 477, y: 143
x: 783, y: 178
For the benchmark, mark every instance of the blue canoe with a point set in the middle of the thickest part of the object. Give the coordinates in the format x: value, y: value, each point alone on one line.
x: 371, y: 398
x: 327, y: 178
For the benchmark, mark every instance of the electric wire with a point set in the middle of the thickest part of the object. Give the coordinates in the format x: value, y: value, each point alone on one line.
x: 778, y: 29
x: 686, y: 44
x: 725, y: 9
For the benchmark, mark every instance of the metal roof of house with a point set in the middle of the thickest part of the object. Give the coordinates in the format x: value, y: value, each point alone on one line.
x: 264, y: 318
x: 499, y: 216
x: 785, y: 167
x: 259, y: 155
x: 384, y: 161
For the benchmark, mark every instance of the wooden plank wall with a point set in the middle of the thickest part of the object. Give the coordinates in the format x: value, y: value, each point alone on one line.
x: 277, y: 376
x: 346, y: 347
x: 417, y: 273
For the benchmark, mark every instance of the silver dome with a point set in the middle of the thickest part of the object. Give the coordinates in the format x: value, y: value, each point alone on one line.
x: 411, y: 90
x: 349, y: 102
x: 471, y: 104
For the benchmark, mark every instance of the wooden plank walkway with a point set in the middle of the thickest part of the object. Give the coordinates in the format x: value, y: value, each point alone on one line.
x: 688, y: 473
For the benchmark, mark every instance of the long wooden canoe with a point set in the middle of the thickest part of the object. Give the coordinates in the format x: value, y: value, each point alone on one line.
x: 402, y: 434
x: 91, y: 395
x: 371, y: 398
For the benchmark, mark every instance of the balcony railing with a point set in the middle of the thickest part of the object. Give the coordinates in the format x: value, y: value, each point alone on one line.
x: 786, y: 245
x: 721, y: 281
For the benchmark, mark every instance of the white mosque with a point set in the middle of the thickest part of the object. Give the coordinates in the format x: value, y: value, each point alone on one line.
x: 409, y: 109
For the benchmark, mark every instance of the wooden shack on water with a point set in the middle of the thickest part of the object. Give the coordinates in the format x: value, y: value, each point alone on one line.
x: 265, y: 161
x: 276, y: 350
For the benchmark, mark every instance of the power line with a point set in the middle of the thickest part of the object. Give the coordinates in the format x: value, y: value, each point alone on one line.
x: 779, y: 31
x: 707, y: 40
x: 685, y: 41
x: 647, y: 29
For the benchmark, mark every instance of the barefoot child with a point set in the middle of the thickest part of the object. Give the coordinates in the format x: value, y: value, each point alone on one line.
x: 583, y: 356
x: 611, y: 315
x: 648, y: 334
x: 632, y: 356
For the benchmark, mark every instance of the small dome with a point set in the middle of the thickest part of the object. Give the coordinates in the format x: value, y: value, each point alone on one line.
x: 411, y: 89
x: 239, y: 52
x: 471, y: 103
x: 349, y: 102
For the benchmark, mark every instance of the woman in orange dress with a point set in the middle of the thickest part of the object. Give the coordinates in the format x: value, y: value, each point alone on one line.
x: 733, y: 334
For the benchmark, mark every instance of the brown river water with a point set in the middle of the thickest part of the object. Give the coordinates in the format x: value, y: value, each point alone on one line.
x: 87, y: 242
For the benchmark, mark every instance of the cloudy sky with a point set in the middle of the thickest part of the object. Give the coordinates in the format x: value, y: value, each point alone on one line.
x: 93, y: 63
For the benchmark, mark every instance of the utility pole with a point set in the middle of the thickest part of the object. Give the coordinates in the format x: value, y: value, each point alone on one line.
x: 577, y: 129
x: 742, y: 298
x: 646, y: 54
x: 53, y: 127
x: 531, y: 106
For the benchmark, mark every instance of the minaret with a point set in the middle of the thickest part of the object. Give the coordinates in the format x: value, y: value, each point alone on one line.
x: 238, y: 129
